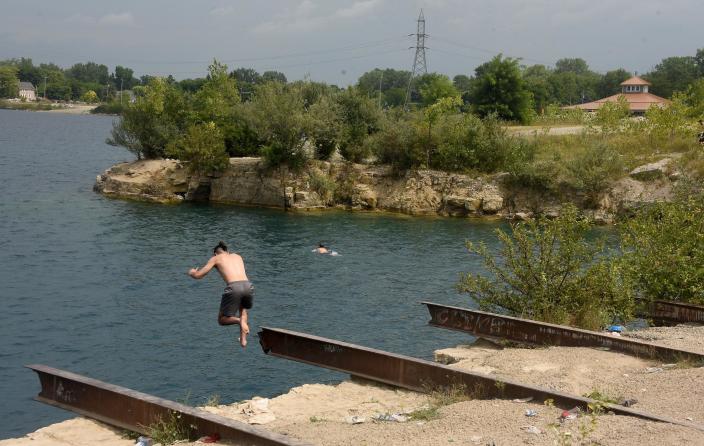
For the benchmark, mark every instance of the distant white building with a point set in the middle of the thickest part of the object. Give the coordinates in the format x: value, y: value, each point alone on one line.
x: 27, y: 91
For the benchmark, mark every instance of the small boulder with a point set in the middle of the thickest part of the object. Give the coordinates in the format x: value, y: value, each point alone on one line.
x: 651, y: 171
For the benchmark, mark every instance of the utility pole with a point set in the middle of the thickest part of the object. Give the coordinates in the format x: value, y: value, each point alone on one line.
x: 420, y: 66
x: 45, y: 76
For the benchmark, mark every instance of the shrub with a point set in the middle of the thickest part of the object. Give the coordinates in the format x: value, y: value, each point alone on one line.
x: 664, y: 244
x: 202, y: 147
x: 548, y: 270
x: 593, y: 169
x: 323, y: 185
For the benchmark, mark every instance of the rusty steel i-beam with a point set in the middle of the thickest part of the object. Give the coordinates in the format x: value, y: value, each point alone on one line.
x: 417, y: 374
x: 668, y: 313
x: 132, y: 410
x: 496, y: 326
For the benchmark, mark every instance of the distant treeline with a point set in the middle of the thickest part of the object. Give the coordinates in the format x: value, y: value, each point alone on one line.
x: 570, y: 81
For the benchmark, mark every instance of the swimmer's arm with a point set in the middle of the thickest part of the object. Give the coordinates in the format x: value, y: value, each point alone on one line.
x: 200, y: 273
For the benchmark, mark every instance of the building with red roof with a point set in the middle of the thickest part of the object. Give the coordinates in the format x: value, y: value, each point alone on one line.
x: 635, y: 91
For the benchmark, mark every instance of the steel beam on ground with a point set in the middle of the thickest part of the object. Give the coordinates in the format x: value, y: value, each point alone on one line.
x: 132, y: 410
x: 499, y: 327
x: 418, y: 374
x: 669, y: 313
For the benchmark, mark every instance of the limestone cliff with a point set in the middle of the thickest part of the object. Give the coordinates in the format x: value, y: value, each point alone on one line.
x: 363, y: 187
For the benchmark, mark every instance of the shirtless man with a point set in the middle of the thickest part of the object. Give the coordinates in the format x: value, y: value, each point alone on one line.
x: 238, y: 293
x: 321, y: 249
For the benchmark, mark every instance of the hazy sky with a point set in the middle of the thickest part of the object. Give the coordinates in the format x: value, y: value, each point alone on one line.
x: 337, y: 40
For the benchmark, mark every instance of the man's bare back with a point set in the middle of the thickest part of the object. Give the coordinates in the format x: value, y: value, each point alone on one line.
x: 239, y: 292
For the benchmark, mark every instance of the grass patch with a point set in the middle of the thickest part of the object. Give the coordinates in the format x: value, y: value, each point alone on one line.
x: 213, y: 400
x: 32, y: 106
x: 602, y: 397
x: 315, y: 419
x: 424, y: 414
x: 170, y: 430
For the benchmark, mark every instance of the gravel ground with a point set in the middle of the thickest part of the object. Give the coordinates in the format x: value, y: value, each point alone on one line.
x: 684, y: 337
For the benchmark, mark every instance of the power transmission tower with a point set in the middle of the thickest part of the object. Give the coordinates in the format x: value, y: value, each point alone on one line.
x: 420, y: 66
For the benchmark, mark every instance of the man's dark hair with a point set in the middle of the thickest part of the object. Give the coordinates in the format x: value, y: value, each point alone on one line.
x: 321, y: 245
x: 220, y: 245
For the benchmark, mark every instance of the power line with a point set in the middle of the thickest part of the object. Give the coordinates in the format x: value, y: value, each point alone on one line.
x: 362, y: 45
x: 485, y: 50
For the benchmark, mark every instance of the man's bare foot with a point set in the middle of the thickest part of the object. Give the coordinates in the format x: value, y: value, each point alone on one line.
x: 243, y: 338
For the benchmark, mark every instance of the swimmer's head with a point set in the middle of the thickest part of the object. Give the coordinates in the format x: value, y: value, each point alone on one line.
x: 220, y: 247
x: 321, y: 245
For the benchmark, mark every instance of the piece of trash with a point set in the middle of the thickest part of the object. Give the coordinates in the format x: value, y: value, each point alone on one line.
x: 689, y: 419
x: 395, y: 417
x: 523, y: 400
x: 627, y: 402
x: 214, y: 438
x: 476, y: 439
x: 615, y: 328
x: 532, y: 430
x: 355, y: 419
x: 531, y: 413
x: 668, y: 366
x: 259, y: 404
x: 653, y: 370
x: 568, y: 415
x: 143, y: 441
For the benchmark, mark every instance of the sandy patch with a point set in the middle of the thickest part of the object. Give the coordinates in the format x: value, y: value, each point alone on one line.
x: 685, y: 337
x: 75, y: 432
x: 72, y: 109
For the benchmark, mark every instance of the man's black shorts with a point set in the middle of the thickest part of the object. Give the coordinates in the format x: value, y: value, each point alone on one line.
x: 236, y: 294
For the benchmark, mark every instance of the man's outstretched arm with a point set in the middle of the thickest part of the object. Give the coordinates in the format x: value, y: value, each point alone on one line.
x: 200, y: 273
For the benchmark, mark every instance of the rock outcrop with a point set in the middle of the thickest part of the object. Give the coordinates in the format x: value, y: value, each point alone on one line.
x: 324, y: 185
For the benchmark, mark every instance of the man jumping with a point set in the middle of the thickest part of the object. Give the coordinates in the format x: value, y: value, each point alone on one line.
x: 238, y: 293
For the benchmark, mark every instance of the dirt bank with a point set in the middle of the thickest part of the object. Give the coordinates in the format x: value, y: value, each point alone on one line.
x: 347, y: 413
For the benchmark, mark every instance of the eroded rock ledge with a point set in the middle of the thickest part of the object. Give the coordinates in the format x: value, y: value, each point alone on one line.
x: 325, y: 185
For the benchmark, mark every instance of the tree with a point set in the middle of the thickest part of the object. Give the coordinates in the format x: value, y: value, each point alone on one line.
x: 9, y: 82
x: 433, y: 87
x: 278, y: 117
x: 549, y: 270
x: 274, y: 76
x: 90, y: 72
x: 576, y: 66
x: 371, y: 82
x: 442, y: 106
x: 158, y: 117
x: 694, y: 98
x: 359, y: 117
x: 610, y: 83
x: 499, y: 88
x: 123, y: 77
x: 90, y: 97
x: 201, y: 147
x: 664, y: 244
x: 673, y: 74
x: 537, y: 80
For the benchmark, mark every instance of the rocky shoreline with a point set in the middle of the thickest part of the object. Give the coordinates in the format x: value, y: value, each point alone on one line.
x: 338, y: 185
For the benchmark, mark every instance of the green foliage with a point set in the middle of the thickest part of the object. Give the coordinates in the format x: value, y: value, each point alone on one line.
x: 670, y: 120
x: 694, y: 98
x: 171, y: 430
x: 498, y: 88
x: 323, y: 185
x: 201, y: 147
x: 610, y: 116
x: 158, y: 117
x: 9, y: 82
x: 90, y: 97
x: 279, y: 119
x: 359, y: 117
x: 664, y: 245
x: 549, y: 270
x: 325, y: 126
x: 673, y: 74
x: 553, y: 114
x: 435, y: 87
x: 111, y: 108
x: 593, y: 169
x: 424, y: 414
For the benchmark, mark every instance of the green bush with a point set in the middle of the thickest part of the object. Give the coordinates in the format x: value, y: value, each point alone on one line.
x: 201, y: 147
x: 664, y: 244
x: 549, y: 270
x: 593, y: 169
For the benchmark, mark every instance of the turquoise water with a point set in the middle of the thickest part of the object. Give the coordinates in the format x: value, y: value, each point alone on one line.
x: 99, y: 286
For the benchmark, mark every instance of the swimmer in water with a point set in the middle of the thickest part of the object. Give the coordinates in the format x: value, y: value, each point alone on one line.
x: 321, y: 249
